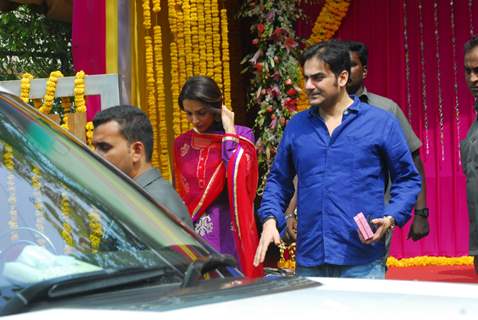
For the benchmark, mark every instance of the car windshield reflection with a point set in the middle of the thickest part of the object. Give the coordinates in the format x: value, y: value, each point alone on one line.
x: 63, y: 212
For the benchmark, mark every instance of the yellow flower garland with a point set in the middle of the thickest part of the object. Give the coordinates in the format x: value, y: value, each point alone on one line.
x: 89, y: 134
x: 156, y: 6
x: 216, y: 43
x: 66, y: 104
x: 38, y: 204
x: 146, y: 15
x: 329, y: 20
x: 12, y: 198
x: 66, y: 233
x: 225, y: 60
x: 202, y: 37
x: 50, y: 91
x: 209, y: 38
x: 79, y: 92
x: 96, y: 230
x: 429, y: 261
x: 25, y: 87
x: 158, y: 159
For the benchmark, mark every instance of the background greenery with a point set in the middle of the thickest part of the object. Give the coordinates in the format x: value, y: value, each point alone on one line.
x: 29, y: 42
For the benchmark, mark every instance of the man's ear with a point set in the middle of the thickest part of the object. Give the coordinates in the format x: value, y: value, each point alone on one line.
x: 137, y: 151
x: 365, y: 70
x: 343, y: 78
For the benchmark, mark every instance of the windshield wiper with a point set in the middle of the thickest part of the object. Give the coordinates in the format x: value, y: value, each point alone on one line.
x: 79, y: 284
x: 198, y: 268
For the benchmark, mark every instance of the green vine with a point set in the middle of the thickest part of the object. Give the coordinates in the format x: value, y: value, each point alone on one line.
x: 275, y: 73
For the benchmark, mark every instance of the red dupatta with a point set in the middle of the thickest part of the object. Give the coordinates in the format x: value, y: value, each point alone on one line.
x: 241, y: 177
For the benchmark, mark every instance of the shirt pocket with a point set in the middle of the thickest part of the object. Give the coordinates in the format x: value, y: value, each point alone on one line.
x: 366, y: 157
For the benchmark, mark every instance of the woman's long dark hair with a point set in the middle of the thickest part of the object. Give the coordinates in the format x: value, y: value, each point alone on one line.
x: 202, y: 89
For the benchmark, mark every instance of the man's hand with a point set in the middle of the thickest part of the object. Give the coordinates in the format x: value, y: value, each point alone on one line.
x: 383, y: 224
x: 419, y: 228
x: 269, y: 234
x: 291, y: 229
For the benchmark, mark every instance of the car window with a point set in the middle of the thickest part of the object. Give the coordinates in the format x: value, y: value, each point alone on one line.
x: 62, y: 211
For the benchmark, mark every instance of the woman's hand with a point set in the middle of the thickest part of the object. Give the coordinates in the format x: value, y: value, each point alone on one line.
x: 227, y: 117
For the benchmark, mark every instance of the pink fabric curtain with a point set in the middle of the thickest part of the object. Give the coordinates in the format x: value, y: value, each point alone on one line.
x: 416, y: 59
x: 88, y: 28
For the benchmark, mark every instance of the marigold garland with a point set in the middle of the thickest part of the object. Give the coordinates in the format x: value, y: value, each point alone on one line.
x: 79, y: 92
x: 156, y: 6
x: 161, y: 137
x: 96, y: 230
x: 146, y: 15
x: 329, y: 20
x: 216, y: 43
x: 50, y: 91
x: 12, y: 198
x: 25, y: 87
x: 429, y: 261
x: 38, y: 204
x: 66, y: 105
x: 66, y: 211
x: 225, y: 60
x: 89, y: 134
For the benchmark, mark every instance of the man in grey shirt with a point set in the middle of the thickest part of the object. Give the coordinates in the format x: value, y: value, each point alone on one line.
x: 469, y: 148
x: 123, y: 135
x: 359, y: 58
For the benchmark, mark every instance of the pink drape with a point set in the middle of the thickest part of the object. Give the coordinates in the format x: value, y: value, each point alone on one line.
x: 88, y: 28
x: 380, y: 24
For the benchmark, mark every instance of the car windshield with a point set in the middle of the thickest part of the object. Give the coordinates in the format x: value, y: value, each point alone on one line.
x: 63, y: 212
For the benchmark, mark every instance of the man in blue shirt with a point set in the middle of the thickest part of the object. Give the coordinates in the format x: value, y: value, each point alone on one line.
x: 341, y: 150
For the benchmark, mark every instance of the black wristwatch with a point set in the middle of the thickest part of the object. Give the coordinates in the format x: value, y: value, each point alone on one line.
x: 422, y: 212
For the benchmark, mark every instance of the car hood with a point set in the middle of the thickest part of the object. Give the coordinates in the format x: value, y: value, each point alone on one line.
x: 313, y: 297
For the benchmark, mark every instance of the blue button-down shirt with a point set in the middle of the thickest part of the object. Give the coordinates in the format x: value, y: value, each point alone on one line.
x: 340, y: 175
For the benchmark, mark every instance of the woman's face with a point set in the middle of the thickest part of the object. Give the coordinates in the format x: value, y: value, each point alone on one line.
x: 200, y: 116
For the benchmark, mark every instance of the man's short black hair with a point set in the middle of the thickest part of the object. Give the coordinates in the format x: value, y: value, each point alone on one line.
x: 360, y: 48
x: 332, y: 52
x: 134, y: 125
x: 471, y: 44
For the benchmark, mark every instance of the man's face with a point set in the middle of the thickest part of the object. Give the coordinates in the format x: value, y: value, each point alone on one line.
x: 110, y: 144
x: 471, y: 70
x: 358, y: 72
x: 321, y: 84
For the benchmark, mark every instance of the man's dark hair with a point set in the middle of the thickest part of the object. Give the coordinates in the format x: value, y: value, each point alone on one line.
x: 360, y: 48
x: 134, y: 125
x: 471, y: 44
x: 332, y: 52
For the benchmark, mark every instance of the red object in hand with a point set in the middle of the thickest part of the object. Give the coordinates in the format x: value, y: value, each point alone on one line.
x: 363, y: 226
